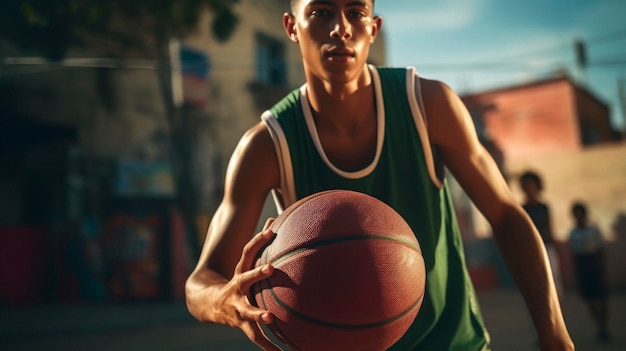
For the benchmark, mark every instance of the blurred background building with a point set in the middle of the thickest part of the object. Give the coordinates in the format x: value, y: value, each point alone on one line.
x: 559, y: 129
x: 113, y: 153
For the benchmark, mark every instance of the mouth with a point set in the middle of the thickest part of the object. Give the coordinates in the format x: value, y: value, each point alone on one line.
x: 339, y: 53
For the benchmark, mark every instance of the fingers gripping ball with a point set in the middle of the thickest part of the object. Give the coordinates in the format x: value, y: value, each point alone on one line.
x: 348, y: 274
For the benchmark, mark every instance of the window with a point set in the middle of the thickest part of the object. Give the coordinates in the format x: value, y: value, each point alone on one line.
x: 270, y: 61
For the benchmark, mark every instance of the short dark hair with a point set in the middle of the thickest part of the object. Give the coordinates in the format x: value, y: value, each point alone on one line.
x: 530, y: 176
x: 579, y: 207
x: 295, y: 2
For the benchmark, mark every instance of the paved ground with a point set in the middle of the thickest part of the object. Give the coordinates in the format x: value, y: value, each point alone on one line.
x: 168, y: 327
x: 511, y: 329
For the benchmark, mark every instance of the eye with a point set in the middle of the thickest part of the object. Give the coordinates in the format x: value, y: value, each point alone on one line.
x: 356, y: 14
x: 320, y: 13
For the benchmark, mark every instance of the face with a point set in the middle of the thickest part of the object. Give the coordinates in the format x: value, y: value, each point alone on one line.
x: 334, y: 36
x: 580, y: 215
x: 530, y: 188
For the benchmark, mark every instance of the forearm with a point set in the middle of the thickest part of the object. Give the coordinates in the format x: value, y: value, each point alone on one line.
x: 525, y: 256
x: 200, y: 293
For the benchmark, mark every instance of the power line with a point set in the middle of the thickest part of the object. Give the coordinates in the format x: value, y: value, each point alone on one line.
x: 563, y: 47
x: 507, y: 63
x: 607, y: 37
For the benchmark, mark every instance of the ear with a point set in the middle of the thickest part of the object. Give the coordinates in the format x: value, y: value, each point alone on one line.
x: 289, y: 23
x: 377, y: 24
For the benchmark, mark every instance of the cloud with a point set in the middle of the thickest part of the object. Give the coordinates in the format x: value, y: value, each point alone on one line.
x: 440, y: 15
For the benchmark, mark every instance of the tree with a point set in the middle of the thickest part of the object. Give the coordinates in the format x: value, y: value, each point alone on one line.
x: 50, y: 27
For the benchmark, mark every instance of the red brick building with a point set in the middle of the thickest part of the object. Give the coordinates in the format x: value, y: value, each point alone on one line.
x: 541, y: 117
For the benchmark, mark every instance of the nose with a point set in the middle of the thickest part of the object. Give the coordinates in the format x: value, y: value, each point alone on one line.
x: 342, y: 28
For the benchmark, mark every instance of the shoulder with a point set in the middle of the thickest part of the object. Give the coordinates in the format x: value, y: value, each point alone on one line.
x: 254, y: 162
x: 448, y: 120
x: 436, y: 92
x: 441, y: 102
x: 255, y: 145
x: 596, y: 231
x: 256, y: 135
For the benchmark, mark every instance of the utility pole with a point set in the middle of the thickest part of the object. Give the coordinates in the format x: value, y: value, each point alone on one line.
x: 581, y: 59
x: 621, y: 91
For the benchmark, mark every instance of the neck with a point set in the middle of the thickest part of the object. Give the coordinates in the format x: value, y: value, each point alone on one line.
x: 532, y: 201
x: 339, y: 104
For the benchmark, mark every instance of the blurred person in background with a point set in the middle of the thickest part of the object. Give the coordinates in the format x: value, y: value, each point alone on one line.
x: 588, y: 251
x: 539, y: 212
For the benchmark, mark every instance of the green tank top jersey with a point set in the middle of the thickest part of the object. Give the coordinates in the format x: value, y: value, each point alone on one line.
x: 404, y: 175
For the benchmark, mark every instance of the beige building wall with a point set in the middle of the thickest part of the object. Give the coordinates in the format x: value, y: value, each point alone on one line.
x: 232, y: 105
x: 233, y: 67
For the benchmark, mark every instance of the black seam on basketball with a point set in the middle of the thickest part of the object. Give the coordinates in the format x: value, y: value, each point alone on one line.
x: 281, y: 335
x: 305, y: 317
x: 291, y: 253
x: 261, y: 288
x: 265, y: 285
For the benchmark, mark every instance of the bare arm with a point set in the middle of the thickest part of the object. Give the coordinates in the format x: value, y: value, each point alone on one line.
x: 452, y: 132
x: 216, y: 289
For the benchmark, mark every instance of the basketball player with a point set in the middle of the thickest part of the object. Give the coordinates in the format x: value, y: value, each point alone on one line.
x: 388, y: 133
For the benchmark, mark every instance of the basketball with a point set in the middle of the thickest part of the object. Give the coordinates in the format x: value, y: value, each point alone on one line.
x: 348, y: 274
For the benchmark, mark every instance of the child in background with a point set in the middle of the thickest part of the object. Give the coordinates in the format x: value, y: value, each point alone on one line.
x: 588, y: 250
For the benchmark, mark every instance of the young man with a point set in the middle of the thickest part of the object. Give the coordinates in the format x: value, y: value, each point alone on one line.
x: 539, y: 212
x: 357, y: 127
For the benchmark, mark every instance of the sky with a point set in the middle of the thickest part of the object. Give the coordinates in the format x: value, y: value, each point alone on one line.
x: 477, y: 45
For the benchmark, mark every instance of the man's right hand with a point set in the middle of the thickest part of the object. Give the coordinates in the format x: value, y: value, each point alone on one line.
x: 226, y: 302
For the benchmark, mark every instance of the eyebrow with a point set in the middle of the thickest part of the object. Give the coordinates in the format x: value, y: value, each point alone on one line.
x: 330, y: 3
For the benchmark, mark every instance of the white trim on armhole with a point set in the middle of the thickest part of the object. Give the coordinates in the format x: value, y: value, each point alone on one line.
x: 287, y: 194
x: 414, y: 95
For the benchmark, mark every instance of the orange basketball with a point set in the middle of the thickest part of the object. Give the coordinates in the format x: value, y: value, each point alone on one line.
x: 348, y: 274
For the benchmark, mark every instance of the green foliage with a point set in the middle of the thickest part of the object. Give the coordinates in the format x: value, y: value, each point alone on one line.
x: 225, y: 20
x: 49, y: 27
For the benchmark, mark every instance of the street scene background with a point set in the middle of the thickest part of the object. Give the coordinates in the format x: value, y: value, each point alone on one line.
x: 117, y: 120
